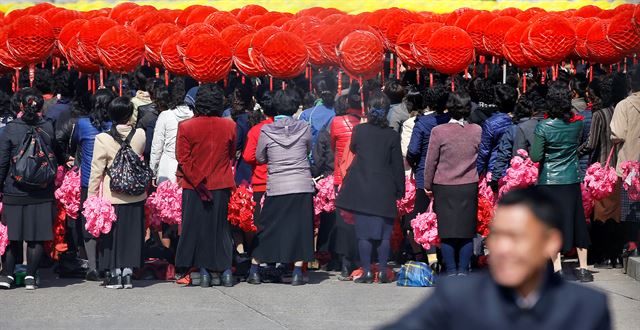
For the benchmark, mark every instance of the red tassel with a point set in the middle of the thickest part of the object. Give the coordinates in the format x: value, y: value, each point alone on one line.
x: 16, y: 81
x: 243, y: 80
x: 466, y: 73
x: 486, y: 71
x: 271, y: 83
x: 524, y: 83
x: 390, y: 65
x: 625, y: 65
x: 339, y: 81
x: 544, y: 77
x: 418, y: 76
x: 225, y: 82
x: 43, y: 64
x: 101, y: 77
x: 430, y: 79
x: 157, y: 73
x: 89, y: 82
x: 591, y: 73
x: 398, y: 67
x: 361, y: 97
x: 93, y: 85
x: 284, y: 85
x: 382, y: 78
x: 453, y: 84
x: 166, y: 77
x: 120, y: 82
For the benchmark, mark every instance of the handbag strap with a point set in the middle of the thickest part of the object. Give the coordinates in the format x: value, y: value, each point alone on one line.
x: 430, y: 208
x: 118, y: 138
x: 610, y: 155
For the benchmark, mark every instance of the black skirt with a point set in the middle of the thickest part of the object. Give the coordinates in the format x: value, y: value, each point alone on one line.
x: 457, y: 210
x: 346, y: 243
x: 206, y: 239
x: 573, y: 225
x: 29, y: 222
x: 373, y: 227
x: 285, y: 229
x: 326, y: 241
x: 122, y: 246
x: 257, y: 197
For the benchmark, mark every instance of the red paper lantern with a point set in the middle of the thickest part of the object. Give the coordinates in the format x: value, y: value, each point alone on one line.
x: 466, y: 17
x: 6, y: 59
x: 221, y: 20
x: 258, y: 40
x: 308, y: 29
x: 476, y: 28
x: 284, y: 55
x: 136, y: 13
x: 404, y: 44
x: 77, y: 58
x: 526, y: 15
x: 511, y: 11
x: 267, y: 19
x: 184, y: 15
x: 60, y: 20
x: 635, y: 20
x: 233, y: 33
x: 494, y: 33
x: 13, y: 15
x: 208, y: 58
x: 241, y: 57
x: 192, y: 31
x: 281, y: 21
x: 552, y: 38
x: 121, y: 8
x: 49, y: 13
x: 588, y: 11
x: 171, y: 59
x: 452, y: 18
x: 607, y: 14
x: 394, y: 23
x: 199, y: 14
x: 582, y: 29
x: 361, y: 54
x: 120, y: 49
x: 420, y: 43
x: 249, y: 11
x: 145, y: 22
x: 68, y: 31
x: 329, y: 39
x: 600, y: 49
x: 154, y: 39
x: 39, y: 8
x: 621, y: 33
x: 30, y: 39
x: 451, y: 50
x: 532, y: 57
x: 624, y: 7
x: 91, y: 32
x: 511, y: 48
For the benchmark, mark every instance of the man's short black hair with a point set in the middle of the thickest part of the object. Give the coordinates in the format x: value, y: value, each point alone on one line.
x: 540, y: 203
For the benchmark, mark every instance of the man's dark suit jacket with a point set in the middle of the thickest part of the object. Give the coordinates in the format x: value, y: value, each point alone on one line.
x: 477, y: 302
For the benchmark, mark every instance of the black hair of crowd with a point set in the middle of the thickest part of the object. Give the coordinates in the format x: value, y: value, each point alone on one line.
x: 209, y: 101
x: 120, y: 110
x: 459, y: 105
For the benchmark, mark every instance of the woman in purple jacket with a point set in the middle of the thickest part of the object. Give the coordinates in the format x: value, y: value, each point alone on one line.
x: 451, y: 178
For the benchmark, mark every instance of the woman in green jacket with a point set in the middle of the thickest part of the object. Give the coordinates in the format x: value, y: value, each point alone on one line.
x: 555, y: 146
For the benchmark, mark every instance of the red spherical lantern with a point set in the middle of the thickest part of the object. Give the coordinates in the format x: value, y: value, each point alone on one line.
x: 121, y: 8
x: 154, y: 39
x: 600, y: 49
x: 120, y: 49
x: 404, y: 44
x: 199, y: 14
x: 420, y: 42
x: 511, y: 48
x: 511, y: 11
x: 249, y: 11
x: 30, y: 39
x: 258, y: 40
x: 190, y: 32
x: 451, y: 50
x: 476, y: 28
x: 181, y: 20
x: 145, y: 22
x: 329, y: 39
x: 268, y: 19
x: 588, y: 11
x: 395, y: 22
x: 60, y: 20
x: 552, y: 38
x: 494, y: 33
x: 308, y: 29
x: 171, y: 59
x: 208, y: 58
x: 361, y: 54
x: 582, y: 29
x: 39, y: 8
x: 232, y: 34
x: 13, y: 15
x: 526, y: 15
x: 532, y: 57
x: 68, y: 31
x: 621, y: 33
x: 91, y: 32
x: 6, y: 59
x: 466, y: 17
x: 136, y: 13
x: 221, y: 20
x: 77, y: 58
x: 284, y: 55
x: 241, y: 57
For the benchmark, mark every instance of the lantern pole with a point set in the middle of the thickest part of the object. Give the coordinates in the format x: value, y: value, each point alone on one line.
x: 120, y: 83
x: 504, y: 72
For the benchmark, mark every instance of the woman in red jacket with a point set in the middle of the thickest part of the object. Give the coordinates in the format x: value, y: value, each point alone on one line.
x: 345, y: 243
x: 205, y: 149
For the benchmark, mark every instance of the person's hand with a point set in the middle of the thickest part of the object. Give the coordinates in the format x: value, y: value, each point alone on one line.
x: 429, y: 193
x: 70, y: 162
x: 154, y: 183
x: 205, y: 195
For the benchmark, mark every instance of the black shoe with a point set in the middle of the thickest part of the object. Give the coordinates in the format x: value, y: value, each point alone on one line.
x: 30, y: 283
x: 127, y: 283
x: 7, y: 282
x: 383, y: 278
x: 345, y: 274
x: 228, y: 280
x: 560, y: 274
x: 605, y: 264
x: 115, y: 282
x: 297, y: 279
x: 92, y: 276
x: 584, y: 275
x: 366, y: 278
x: 215, y: 279
x: 254, y: 278
x: 195, y: 278
x: 105, y: 280
x: 205, y: 281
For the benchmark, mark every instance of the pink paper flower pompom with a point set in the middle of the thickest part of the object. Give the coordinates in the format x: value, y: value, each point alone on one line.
x: 587, y: 201
x: 100, y: 214
x: 60, y: 173
x: 601, y: 180
x: 631, y: 179
x: 325, y: 198
x: 4, y: 238
x: 521, y: 173
x: 69, y: 193
x: 165, y: 204
x: 484, y: 189
x: 241, y: 207
x: 407, y: 203
x: 425, y: 228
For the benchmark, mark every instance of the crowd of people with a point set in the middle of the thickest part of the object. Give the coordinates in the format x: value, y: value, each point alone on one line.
x: 446, y: 133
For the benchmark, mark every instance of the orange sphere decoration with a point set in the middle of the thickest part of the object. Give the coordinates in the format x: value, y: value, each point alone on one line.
x: 582, y: 29
x: 258, y: 40
x: 199, y: 14
x: 308, y: 28
x: 60, y: 20
x: 171, y: 59
x: 77, y: 58
x: 6, y: 59
x: 420, y: 42
x: 233, y: 33
x: 190, y: 32
x: 147, y: 21
x: 241, y: 57
x: 68, y: 31
x: 284, y: 55
x: 451, y: 50
x: 361, y: 54
x: 600, y: 49
x: 552, y: 38
x: 494, y: 33
x: 403, y: 45
x: 532, y: 57
x: 621, y: 33
x: 154, y: 39
x: 476, y: 28
x: 120, y: 49
x: 91, y: 32
x: 208, y: 58
x: 221, y: 20
x: 511, y: 48
x: 249, y: 11
x: 30, y: 39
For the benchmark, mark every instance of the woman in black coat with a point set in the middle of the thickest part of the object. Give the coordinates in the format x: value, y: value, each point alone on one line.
x: 372, y: 185
x: 29, y: 208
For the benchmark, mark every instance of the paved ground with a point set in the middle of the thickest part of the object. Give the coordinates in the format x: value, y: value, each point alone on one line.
x: 325, y: 304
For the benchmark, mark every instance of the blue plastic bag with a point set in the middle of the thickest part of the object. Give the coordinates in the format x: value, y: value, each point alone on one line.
x: 416, y: 274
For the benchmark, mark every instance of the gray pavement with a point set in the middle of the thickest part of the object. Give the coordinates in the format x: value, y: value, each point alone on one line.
x: 325, y: 303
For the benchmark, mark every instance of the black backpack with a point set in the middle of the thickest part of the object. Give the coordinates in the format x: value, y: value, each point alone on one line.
x: 129, y: 174
x: 34, y: 166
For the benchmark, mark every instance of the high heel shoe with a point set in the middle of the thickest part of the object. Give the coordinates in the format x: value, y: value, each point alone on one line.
x: 366, y: 278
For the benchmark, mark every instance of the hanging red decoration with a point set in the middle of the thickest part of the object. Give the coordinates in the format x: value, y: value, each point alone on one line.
x: 621, y: 33
x: 120, y: 49
x: 635, y: 20
x: 62, y: 18
x: 136, y: 13
x: 258, y: 40
x: 199, y: 14
x: 466, y: 17
x: 511, y: 48
x: 600, y: 49
x: 582, y: 29
x: 30, y: 39
x: 208, y: 58
x: 170, y: 57
x: 221, y: 20
x: 77, y: 58
x: 588, y: 11
x: 532, y: 57
x: 192, y: 31
x: 181, y: 20
x: 68, y: 31
x: 267, y: 19
x: 284, y: 55
x: 250, y: 11
x: 6, y: 59
x: 145, y: 22
x: 394, y: 22
x: 241, y: 57
x: 13, y: 15
x: 361, y: 54
x: 403, y: 45
x: 450, y: 50
x: 552, y: 38
x: 494, y: 33
x: 154, y: 39
x: 511, y: 11
x: 232, y: 34
x: 91, y: 32
x: 329, y: 39
x: 308, y: 28
x: 420, y: 43
x: 121, y: 8
x: 526, y: 15
x: 476, y: 28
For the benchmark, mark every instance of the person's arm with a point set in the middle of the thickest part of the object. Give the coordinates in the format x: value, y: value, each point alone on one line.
x: 433, y: 158
x: 332, y: 134
x: 233, y: 142
x: 261, y: 149
x: 98, y: 164
x: 249, y: 153
x: 6, y: 149
x: 537, y: 149
x: 413, y: 149
x: 397, y: 166
x: 484, y: 153
x: 185, y: 159
x: 619, y: 123
x: 595, y: 134
x: 519, y: 140
x: 157, y: 144
x: 504, y: 155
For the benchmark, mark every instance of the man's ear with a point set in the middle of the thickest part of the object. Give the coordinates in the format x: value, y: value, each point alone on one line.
x: 553, y: 243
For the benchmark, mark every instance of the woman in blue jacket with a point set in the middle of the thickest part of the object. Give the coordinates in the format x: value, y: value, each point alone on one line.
x: 495, y: 126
